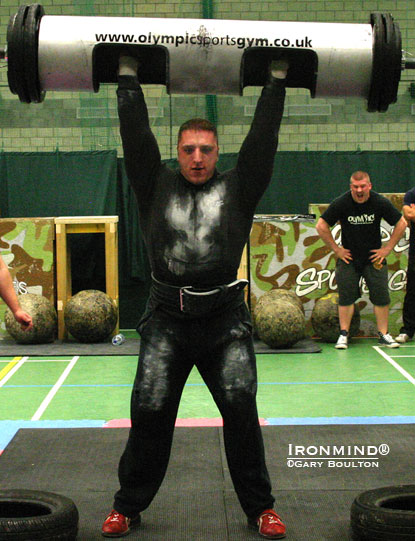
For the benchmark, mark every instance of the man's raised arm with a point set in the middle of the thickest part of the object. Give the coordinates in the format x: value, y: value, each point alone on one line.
x: 141, y: 152
x: 256, y: 157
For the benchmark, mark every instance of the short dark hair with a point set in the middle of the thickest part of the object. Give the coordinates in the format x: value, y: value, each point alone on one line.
x: 360, y: 175
x: 197, y: 124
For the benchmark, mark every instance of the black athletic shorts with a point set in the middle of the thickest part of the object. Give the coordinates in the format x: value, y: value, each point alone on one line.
x: 348, y: 283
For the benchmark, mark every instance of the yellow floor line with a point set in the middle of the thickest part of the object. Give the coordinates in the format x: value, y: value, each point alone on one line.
x: 9, y: 366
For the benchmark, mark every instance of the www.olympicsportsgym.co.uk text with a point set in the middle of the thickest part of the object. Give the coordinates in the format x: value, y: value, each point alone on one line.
x: 203, y: 40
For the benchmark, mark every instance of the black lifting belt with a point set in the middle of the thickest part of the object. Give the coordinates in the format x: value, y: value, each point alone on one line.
x: 198, y: 301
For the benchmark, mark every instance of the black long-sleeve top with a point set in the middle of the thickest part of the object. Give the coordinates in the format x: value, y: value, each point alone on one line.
x: 195, y: 234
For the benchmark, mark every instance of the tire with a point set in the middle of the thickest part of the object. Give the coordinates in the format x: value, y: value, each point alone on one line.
x: 30, y: 515
x: 386, y: 513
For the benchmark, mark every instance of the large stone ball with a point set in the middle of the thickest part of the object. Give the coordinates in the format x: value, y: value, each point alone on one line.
x: 44, y: 316
x: 279, y: 323
x: 90, y: 316
x: 325, y: 318
x: 277, y: 294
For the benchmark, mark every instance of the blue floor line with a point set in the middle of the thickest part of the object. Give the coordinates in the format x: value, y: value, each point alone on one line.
x: 399, y: 419
x: 8, y: 429
x: 68, y: 385
x: 332, y: 382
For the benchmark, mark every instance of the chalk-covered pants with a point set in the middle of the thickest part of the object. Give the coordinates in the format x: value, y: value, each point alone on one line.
x: 221, y: 348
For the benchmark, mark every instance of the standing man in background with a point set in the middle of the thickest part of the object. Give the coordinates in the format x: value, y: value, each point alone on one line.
x: 8, y: 294
x: 408, y: 313
x: 195, y: 223
x: 361, y: 253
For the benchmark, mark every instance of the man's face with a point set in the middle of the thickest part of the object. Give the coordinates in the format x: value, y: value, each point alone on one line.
x: 197, y: 153
x: 360, y: 190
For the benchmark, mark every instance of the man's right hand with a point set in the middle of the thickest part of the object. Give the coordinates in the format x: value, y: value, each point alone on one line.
x: 25, y: 319
x: 127, y: 65
x: 279, y: 68
x: 344, y: 254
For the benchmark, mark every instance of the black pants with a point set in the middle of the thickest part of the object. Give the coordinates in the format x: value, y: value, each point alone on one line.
x: 222, y: 349
x: 408, y: 313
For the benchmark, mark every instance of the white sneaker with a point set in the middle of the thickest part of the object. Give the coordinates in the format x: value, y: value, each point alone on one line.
x: 387, y: 340
x: 403, y: 338
x: 342, y: 342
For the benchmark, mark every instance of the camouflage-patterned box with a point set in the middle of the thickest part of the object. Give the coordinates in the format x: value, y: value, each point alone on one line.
x: 27, y: 248
x: 286, y: 251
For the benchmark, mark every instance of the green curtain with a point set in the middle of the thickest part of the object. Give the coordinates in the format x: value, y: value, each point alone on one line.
x: 131, y: 244
x: 4, y: 189
x: 94, y: 183
x: 40, y: 184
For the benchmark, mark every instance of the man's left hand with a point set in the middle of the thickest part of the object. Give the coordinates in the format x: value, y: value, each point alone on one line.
x: 379, y: 255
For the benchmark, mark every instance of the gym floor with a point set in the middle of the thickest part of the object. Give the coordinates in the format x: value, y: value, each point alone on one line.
x: 365, y: 384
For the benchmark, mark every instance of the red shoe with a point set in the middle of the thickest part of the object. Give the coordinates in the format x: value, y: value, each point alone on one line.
x: 269, y: 525
x: 117, y: 525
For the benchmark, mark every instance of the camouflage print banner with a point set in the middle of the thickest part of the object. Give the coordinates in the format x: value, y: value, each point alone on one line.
x: 287, y: 252
x: 27, y: 248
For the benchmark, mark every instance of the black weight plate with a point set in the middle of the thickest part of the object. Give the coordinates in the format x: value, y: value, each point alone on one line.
x: 10, y: 65
x: 31, y: 42
x: 386, y: 63
x: 13, y: 50
x: 392, y: 63
x: 377, y: 62
x: 16, y: 55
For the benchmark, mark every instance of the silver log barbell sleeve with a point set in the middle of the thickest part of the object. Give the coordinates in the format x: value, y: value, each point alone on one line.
x: 204, y: 56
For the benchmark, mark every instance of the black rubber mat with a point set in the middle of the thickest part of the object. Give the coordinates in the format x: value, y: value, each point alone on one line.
x: 307, y: 345
x: 131, y: 346
x: 197, y: 501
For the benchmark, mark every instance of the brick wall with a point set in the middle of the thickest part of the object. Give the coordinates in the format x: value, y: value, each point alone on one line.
x: 61, y: 120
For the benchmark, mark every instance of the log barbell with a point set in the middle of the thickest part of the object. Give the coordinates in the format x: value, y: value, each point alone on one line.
x: 204, y: 56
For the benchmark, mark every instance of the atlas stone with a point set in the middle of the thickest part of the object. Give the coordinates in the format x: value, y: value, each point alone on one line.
x: 91, y: 316
x: 44, y: 316
x: 274, y: 295
x: 279, y: 323
x: 325, y: 318
x: 280, y: 293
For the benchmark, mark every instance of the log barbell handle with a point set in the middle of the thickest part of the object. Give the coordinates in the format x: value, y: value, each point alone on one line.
x: 22, y: 55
